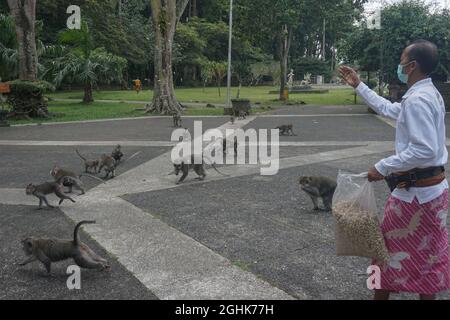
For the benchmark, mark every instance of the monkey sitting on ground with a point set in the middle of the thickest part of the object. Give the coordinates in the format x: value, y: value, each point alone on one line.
x: 286, y: 130
x: 69, y: 179
x: 117, y: 153
x: 88, y: 164
x: 177, y: 120
x: 319, y: 187
x: 198, y: 168
x: 54, y: 250
x: 42, y: 190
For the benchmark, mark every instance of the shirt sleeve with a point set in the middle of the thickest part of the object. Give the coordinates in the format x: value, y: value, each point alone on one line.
x: 423, y: 146
x: 379, y: 104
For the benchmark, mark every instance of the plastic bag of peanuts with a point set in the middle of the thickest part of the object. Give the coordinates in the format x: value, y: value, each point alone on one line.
x: 357, y: 227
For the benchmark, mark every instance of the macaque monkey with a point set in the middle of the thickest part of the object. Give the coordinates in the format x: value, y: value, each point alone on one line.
x: 177, y: 120
x: 242, y: 115
x: 42, y: 190
x: 233, y: 119
x: 199, y: 169
x: 319, y: 187
x: 109, y: 164
x: 70, y: 179
x: 53, y: 250
x: 117, y: 153
x: 286, y: 130
x: 88, y: 164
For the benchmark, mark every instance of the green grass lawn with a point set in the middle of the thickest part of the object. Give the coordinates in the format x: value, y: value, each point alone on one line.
x: 211, y: 95
x: 76, y: 111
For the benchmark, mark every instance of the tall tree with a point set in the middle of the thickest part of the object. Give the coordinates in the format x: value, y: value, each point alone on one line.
x: 166, y: 14
x: 24, y: 15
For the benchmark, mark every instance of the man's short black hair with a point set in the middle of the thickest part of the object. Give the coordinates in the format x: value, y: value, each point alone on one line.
x: 426, y: 54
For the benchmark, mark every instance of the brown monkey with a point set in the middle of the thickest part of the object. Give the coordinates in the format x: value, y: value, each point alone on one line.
x: 54, y: 250
x: 88, y: 164
x: 319, y: 187
x: 233, y: 119
x: 286, y: 130
x: 42, y: 190
x: 117, y: 153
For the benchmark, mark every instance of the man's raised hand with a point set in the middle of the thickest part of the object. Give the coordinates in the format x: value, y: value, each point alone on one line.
x: 350, y: 76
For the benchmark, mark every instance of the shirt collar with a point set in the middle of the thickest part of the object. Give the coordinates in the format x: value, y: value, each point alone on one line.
x: 417, y: 85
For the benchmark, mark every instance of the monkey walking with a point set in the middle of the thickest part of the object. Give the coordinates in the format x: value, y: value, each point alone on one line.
x: 42, y: 190
x: 54, y: 250
x: 117, y: 153
x: 69, y: 179
x: 109, y: 165
x: 199, y: 169
x: 88, y: 164
x: 286, y: 130
x: 319, y: 187
x: 177, y: 121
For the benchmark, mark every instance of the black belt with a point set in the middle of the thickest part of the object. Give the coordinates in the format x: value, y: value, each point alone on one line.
x: 411, y: 178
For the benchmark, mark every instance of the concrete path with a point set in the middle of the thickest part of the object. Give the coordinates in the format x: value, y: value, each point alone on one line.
x: 176, y: 262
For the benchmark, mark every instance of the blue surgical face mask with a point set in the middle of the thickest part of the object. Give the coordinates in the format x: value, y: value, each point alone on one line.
x: 401, y: 75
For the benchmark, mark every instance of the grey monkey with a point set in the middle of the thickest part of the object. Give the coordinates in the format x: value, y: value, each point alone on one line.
x: 53, y: 250
x: 319, y: 187
x: 42, y: 190
x: 88, y: 164
x: 198, y: 168
x: 286, y: 130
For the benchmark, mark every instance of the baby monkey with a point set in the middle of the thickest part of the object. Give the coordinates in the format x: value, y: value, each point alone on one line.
x: 41, y: 191
x: 286, y: 130
x: 319, y: 187
x: 54, y: 250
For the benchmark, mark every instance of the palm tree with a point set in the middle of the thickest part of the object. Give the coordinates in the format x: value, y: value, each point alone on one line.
x: 83, y: 64
x: 8, y: 48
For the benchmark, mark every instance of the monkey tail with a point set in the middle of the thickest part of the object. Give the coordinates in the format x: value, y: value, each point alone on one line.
x: 76, y: 238
x: 78, y: 153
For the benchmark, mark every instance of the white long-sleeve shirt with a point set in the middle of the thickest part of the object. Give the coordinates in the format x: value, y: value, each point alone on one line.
x: 420, y: 136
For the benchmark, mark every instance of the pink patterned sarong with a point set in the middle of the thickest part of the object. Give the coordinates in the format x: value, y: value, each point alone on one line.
x: 417, y: 239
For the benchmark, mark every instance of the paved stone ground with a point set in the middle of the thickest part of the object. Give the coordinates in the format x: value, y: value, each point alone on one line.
x: 244, y: 236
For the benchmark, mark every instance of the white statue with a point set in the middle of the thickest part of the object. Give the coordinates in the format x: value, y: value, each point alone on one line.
x: 290, y: 81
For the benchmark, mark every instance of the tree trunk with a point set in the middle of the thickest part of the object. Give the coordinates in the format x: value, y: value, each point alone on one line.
x: 165, y: 14
x: 284, y: 55
x: 88, y: 97
x: 24, y: 14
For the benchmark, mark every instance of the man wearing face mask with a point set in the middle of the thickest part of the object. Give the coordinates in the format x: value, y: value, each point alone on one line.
x: 415, y: 221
